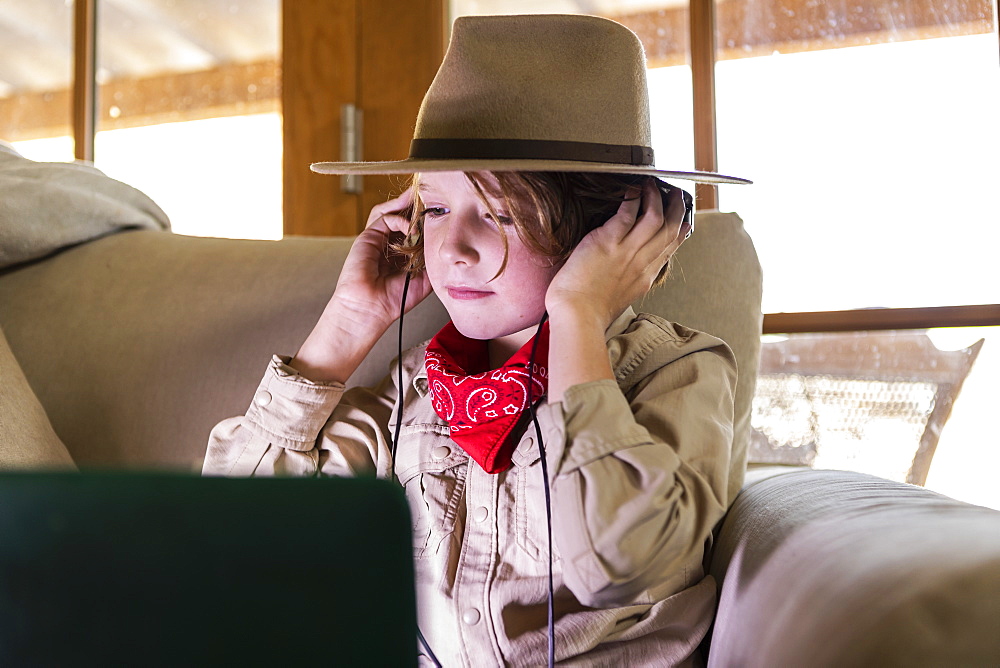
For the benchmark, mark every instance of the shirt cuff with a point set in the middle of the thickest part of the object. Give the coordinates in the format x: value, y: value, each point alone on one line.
x: 291, y: 410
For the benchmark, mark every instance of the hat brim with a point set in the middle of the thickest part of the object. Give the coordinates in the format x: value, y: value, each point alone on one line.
x: 413, y: 166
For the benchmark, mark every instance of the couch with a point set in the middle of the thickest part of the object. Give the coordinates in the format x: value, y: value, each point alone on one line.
x: 122, y: 344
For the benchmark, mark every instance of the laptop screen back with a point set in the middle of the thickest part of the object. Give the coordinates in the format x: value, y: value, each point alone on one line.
x: 153, y: 569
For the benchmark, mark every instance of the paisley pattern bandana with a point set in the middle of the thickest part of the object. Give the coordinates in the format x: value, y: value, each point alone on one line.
x: 482, y: 405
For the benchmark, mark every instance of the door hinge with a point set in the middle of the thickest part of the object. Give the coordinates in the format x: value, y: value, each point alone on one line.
x: 351, y: 129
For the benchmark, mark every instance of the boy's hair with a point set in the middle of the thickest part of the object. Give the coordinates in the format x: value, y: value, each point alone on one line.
x: 550, y: 211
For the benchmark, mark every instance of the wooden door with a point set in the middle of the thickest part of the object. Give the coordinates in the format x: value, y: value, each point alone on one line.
x: 379, y: 55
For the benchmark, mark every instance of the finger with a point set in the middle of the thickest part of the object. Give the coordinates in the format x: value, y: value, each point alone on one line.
x: 393, y: 206
x: 390, y: 223
x: 673, y: 211
x: 684, y: 229
x: 654, y: 212
x: 675, y: 214
x: 628, y: 210
x: 661, y: 228
x: 651, y: 227
x: 395, y: 223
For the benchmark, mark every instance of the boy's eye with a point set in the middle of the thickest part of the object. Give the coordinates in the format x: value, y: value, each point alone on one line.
x: 501, y: 219
x: 434, y: 211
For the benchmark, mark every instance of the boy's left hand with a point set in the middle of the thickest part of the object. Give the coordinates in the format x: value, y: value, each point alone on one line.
x: 617, y: 263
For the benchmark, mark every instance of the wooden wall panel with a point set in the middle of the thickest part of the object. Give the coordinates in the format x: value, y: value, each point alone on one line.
x: 319, y: 73
x: 380, y: 55
x: 402, y: 46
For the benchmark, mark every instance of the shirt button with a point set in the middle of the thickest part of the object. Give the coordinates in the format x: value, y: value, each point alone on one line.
x: 471, y: 616
x: 481, y: 514
x: 528, y: 442
x: 263, y: 398
x: 440, y: 452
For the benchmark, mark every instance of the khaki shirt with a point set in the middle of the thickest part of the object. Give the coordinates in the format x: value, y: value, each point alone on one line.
x: 638, y: 473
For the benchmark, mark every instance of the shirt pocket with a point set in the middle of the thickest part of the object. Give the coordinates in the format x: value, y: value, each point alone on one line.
x: 432, y: 469
x: 532, y: 529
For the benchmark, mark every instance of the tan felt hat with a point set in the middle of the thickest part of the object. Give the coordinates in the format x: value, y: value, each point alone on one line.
x: 558, y: 93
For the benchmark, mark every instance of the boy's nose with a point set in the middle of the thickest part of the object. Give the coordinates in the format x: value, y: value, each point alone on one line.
x: 459, y: 243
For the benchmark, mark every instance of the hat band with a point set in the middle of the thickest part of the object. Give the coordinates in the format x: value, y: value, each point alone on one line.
x: 530, y: 149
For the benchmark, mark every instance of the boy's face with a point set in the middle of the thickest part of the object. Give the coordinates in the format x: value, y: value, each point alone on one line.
x: 464, y: 250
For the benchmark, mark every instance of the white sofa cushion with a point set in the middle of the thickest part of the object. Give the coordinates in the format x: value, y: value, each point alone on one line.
x: 835, y: 568
x: 48, y: 206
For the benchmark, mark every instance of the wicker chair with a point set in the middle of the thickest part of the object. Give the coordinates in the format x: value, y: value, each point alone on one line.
x: 825, y: 400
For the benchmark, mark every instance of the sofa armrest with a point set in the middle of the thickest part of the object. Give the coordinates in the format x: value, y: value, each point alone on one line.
x: 833, y: 568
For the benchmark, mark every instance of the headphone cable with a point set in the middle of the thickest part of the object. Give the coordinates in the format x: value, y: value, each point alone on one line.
x: 545, y: 483
x: 399, y: 424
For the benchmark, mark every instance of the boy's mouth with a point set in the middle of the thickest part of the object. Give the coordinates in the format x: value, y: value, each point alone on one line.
x: 463, y: 293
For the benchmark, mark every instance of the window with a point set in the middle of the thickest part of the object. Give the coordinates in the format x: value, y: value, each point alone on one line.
x: 869, y: 129
x: 872, y: 140
x: 35, y: 105
x: 187, y: 102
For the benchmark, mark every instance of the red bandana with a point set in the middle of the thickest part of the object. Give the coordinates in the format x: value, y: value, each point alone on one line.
x: 480, y: 405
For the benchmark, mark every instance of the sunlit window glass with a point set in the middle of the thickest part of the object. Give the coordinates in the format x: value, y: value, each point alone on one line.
x: 36, y: 68
x: 870, y: 131
x: 188, y: 110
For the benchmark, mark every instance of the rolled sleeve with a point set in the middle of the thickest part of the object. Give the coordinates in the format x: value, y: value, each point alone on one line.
x: 592, y: 413
x: 289, y: 409
x: 278, y: 434
x: 640, y: 481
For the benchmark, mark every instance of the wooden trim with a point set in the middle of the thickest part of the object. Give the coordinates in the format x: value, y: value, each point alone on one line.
x: 702, y: 17
x: 982, y: 315
x: 84, y: 78
x: 37, y: 115
x: 805, y: 25
x: 230, y: 90
x: 665, y: 34
x: 944, y: 401
x: 235, y: 89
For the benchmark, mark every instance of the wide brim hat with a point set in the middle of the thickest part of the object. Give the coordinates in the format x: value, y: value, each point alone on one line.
x: 559, y: 93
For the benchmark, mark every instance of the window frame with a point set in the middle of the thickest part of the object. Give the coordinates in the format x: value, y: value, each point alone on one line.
x: 703, y: 52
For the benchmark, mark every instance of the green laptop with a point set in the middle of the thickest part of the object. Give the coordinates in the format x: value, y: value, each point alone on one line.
x: 156, y: 569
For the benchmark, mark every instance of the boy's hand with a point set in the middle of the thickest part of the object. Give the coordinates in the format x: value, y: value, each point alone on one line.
x: 617, y: 263
x: 367, y: 299
x: 371, y: 280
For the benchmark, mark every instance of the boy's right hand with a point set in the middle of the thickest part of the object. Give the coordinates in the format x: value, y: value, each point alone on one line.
x: 372, y: 278
x: 367, y: 299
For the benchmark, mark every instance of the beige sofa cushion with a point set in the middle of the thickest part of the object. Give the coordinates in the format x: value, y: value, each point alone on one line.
x: 834, y: 568
x: 140, y: 342
x: 27, y: 440
x: 716, y: 285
